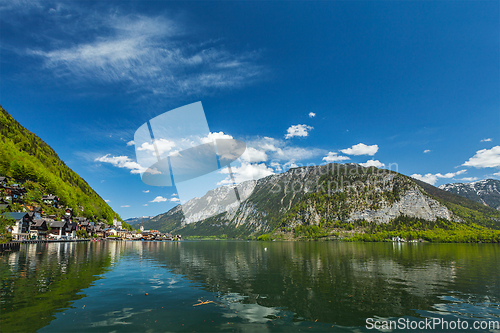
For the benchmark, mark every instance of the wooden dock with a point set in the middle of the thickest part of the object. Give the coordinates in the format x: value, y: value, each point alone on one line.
x: 12, y: 246
x: 16, y: 245
x: 54, y: 241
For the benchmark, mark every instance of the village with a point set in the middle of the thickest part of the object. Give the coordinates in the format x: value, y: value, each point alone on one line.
x: 31, y: 223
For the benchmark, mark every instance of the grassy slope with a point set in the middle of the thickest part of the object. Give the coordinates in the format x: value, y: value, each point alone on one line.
x: 165, y: 222
x: 29, y: 160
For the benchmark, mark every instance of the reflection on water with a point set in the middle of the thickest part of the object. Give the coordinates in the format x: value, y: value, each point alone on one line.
x: 43, y: 279
x: 244, y: 286
x: 342, y: 283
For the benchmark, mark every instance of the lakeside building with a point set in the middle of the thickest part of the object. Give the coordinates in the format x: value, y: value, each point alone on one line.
x: 38, y: 229
x: 31, y: 222
x: 21, y: 227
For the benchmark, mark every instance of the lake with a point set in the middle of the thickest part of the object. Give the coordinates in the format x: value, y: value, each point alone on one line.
x: 239, y: 286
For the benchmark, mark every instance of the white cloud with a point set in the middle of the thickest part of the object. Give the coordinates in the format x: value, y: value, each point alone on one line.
x: 145, y: 204
x: 297, y: 153
x: 163, y: 146
x: 289, y: 165
x: 24, y: 6
x: 122, y: 162
x: 312, y: 114
x: 211, y: 137
x: 153, y: 171
x: 131, y: 143
x: 148, y: 53
x: 125, y: 206
x: 486, y: 140
x: 333, y: 157
x: 276, y: 166
x: 245, y: 172
x: 107, y: 200
x: 428, y: 178
x: 298, y: 130
x: 361, y: 149
x: 427, y: 151
x: 174, y: 194
x: 469, y: 179
x: 373, y: 163
x: 497, y: 174
x: 253, y: 155
x: 159, y: 199
x: 175, y: 200
x: 452, y: 174
x: 280, y: 150
x: 485, y: 158
x: 268, y: 144
x: 433, y: 178
x: 146, y: 191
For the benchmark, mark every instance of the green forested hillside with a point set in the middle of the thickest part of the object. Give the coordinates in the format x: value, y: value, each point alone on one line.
x: 33, y: 163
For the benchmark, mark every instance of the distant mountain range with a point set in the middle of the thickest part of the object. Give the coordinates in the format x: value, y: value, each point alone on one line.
x: 137, y: 220
x: 486, y: 191
x: 318, y: 195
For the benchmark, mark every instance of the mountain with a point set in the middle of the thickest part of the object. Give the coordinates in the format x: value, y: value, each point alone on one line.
x: 137, y: 220
x: 33, y: 164
x: 486, y: 191
x: 325, y: 197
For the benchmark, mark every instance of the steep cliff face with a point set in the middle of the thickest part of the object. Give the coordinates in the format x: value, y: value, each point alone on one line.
x: 308, y: 196
x: 413, y: 203
x: 371, y: 195
x: 216, y: 201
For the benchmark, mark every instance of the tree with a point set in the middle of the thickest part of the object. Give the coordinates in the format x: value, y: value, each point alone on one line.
x: 82, y: 234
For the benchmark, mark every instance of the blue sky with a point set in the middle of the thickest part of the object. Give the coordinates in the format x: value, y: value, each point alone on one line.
x: 413, y: 84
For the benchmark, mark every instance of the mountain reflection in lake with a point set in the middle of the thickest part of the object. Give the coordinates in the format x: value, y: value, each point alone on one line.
x: 243, y: 286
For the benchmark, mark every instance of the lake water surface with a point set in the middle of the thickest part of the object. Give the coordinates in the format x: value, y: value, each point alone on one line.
x: 230, y: 286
